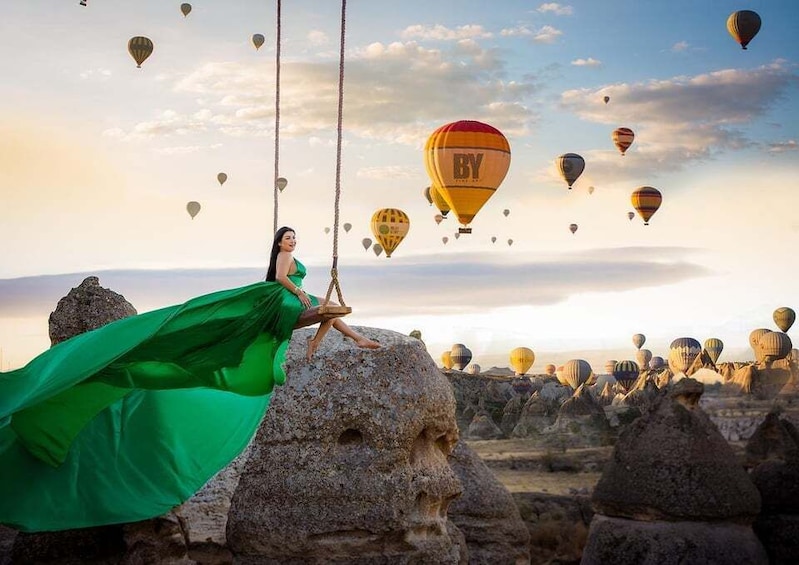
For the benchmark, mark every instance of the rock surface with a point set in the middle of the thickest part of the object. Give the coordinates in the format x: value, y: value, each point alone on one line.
x: 581, y: 422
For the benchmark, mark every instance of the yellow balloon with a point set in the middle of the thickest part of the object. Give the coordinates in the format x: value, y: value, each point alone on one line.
x: 390, y: 226
x: 446, y: 360
x: 784, y: 317
x: 140, y: 48
x: 438, y: 201
x: 521, y: 359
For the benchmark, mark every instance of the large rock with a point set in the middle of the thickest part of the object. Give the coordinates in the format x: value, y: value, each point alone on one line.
x: 87, y: 307
x: 486, y: 513
x: 558, y: 525
x: 534, y: 419
x: 581, y: 422
x: 350, y: 462
x: 483, y: 427
x: 511, y: 413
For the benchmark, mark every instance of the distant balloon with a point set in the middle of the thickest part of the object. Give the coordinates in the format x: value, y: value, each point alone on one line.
x: 347, y: 227
x: 550, y: 369
x: 390, y: 226
x: 438, y: 218
x: 646, y: 200
x: 281, y: 183
x: 439, y: 201
x: 571, y: 166
x: 754, y: 337
x: 683, y: 352
x: 521, y: 359
x: 622, y: 138
x: 446, y: 360
x: 643, y: 356
x: 505, y: 212
x: 713, y: 346
x: 639, y: 340
x: 427, y: 195
x: 461, y: 355
x: 610, y: 364
x: 258, y: 40
x: 784, y: 317
x: 473, y: 369
x: 457, y: 235
x: 185, y: 8
x: 606, y: 99
x: 626, y: 373
x: 378, y: 249
x: 327, y: 230
x: 656, y: 362
x: 573, y: 228
x: 591, y: 190
x: 794, y: 356
x: 193, y: 208
x: 575, y: 373
x: 773, y: 346
x: 510, y: 242
x: 493, y: 239
x: 140, y: 48
x: 367, y: 243
x: 743, y: 26
x: 445, y: 239
x: 630, y: 215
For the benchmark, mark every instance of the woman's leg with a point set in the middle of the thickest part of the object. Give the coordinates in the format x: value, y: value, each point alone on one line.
x: 313, y: 343
x: 341, y: 326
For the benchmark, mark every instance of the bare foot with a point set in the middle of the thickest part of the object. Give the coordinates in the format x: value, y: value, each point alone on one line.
x: 313, y: 345
x: 366, y: 343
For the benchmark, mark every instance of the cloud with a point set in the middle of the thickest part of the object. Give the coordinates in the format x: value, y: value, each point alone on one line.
x: 439, y: 32
x: 464, y: 284
x: 546, y: 34
x: 185, y: 149
x: 783, y: 146
x: 394, y: 93
x: 388, y: 172
x: 590, y: 62
x: 317, y: 38
x: 555, y: 8
x: 680, y: 46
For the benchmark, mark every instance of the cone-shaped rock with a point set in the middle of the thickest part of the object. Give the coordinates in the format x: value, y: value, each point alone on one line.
x: 702, y: 361
x: 607, y: 394
x: 511, y: 413
x: 581, y: 421
x: 534, y: 418
x: 643, y: 398
x: 483, y: 427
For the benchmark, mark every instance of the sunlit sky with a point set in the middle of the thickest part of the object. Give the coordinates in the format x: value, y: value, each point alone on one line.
x: 98, y: 160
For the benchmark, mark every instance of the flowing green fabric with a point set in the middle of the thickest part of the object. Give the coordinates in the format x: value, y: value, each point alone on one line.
x: 124, y: 422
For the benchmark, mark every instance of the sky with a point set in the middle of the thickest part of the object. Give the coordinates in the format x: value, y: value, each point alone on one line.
x: 98, y: 159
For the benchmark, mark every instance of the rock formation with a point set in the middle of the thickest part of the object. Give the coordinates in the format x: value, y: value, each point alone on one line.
x: 483, y: 427
x: 535, y: 417
x: 581, y: 422
x: 512, y: 412
x: 702, y: 361
x: 673, y: 492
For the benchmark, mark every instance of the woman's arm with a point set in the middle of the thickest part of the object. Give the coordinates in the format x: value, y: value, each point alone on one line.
x: 284, y: 261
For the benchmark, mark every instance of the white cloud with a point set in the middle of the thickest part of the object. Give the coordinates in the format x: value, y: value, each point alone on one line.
x: 555, y: 8
x: 680, y: 46
x: 442, y: 33
x: 388, y: 172
x: 590, y: 62
x: 546, y: 34
x: 317, y: 38
x: 783, y: 146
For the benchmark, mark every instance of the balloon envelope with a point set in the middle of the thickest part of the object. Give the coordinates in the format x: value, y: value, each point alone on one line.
x: 378, y: 249
x: 784, y: 317
x: 591, y: 190
x: 510, y: 242
x: 683, y: 352
x: 626, y: 373
x: 427, y: 195
x: 773, y: 346
x: 467, y: 161
x: 521, y: 359
x: 327, y: 230
x: 646, y: 200
x: 221, y: 177
x: 185, y: 8
x: 281, y: 183
x: 573, y: 228
x: 656, y: 362
x: 639, y: 340
x: 743, y: 26
x: 445, y: 239
x: 461, y: 355
x: 390, y: 226
x: 754, y: 337
x: 630, y: 215
x: 493, y: 239
x: 347, y: 227
x: 438, y: 218
x: 643, y: 356
x: 575, y: 373
x: 193, y: 208
x: 473, y: 369
x: 550, y: 369
x: 505, y: 212
x: 257, y: 40
x: 570, y: 166
x: 622, y: 138
x: 367, y: 243
x: 140, y: 48
x: 439, y: 201
x: 610, y: 364
x: 713, y: 346
x: 606, y: 99
x: 446, y: 360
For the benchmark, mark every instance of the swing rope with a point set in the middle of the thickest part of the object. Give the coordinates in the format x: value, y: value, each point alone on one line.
x: 277, y: 113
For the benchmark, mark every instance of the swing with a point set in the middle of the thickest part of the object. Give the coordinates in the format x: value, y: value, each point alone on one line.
x: 325, y: 311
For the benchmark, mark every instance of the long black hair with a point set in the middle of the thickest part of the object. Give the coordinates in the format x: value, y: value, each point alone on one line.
x: 272, y: 271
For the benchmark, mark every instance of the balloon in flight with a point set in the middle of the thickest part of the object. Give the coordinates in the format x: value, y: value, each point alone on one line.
x: 193, y: 208
x: 573, y: 228
x: 743, y: 26
x: 626, y: 373
x: 754, y: 337
x: 609, y: 366
x: 493, y: 239
x: 656, y: 362
x: 446, y: 360
x: 467, y: 161
x: 185, y: 9
x: 643, y: 356
x: 221, y: 177
x: 570, y: 166
x: 439, y: 201
x: 683, y: 352
x: 714, y: 347
x: 390, y: 226
x: 427, y: 195
x: 445, y: 239
x: 606, y: 99
x: 378, y: 249
x: 521, y: 359
x: 784, y: 317
x: 630, y: 216
x: 438, y: 218
x: 550, y: 369
x: 510, y: 242
x: 591, y: 190
x: 461, y: 355
x: 367, y: 243
x: 327, y: 230
x: 281, y: 183
x: 140, y: 48
x: 639, y: 340
x: 773, y: 346
x: 622, y: 138
x: 457, y: 235
x: 646, y: 201
x: 575, y: 373
x: 505, y: 212
x: 258, y: 40
x: 347, y: 227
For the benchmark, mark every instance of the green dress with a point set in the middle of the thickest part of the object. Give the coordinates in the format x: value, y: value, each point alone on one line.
x: 124, y: 422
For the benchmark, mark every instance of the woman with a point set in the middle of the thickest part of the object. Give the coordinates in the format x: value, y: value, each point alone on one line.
x: 124, y: 422
x: 286, y: 270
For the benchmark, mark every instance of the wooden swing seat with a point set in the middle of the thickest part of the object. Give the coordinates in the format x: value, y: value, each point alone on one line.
x: 321, y: 314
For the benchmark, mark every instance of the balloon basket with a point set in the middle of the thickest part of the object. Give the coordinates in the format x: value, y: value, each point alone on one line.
x: 464, y: 230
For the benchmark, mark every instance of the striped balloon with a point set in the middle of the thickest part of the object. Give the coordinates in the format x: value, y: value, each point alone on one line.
x: 656, y: 362
x: 784, y: 317
x: 623, y: 138
x: 446, y: 360
x: 575, y: 373
x: 570, y: 166
x: 626, y: 373
x: 743, y: 26
x: 140, y: 48
x: 390, y: 226
x: 473, y: 369
x: 683, y: 352
x: 773, y: 346
x: 646, y: 201
x: 754, y: 337
x: 521, y: 359
x: 643, y: 356
x: 461, y: 355
x: 467, y: 161
x: 714, y: 347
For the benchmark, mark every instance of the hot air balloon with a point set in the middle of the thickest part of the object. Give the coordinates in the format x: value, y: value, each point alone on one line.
x: 713, y: 346
x: 683, y: 352
x: 493, y: 239
x: 461, y: 355
x: 457, y: 235
x: 639, y: 340
x: 550, y: 369
x: 784, y: 318
x: 743, y: 26
x: 378, y: 249
x: 446, y: 360
x: 221, y: 177
x: 185, y: 9
x: 140, y: 48
x: 646, y: 200
x: 754, y: 337
x: 571, y: 166
x: 505, y: 212
x: 347, y: 227
x: 473, y: 369
x: 622, y: 138
x: 438, y: 218
x: 572, y: 228
x: 630, y: 216
x: 327, y: 230
x: 467, y: 161
x: 626, y: 373
x: 794, y: 356
x: 575, y: 373
x: 427, y: 195
x: 591, y: 190
x: 390, y: 226
x: 510, y: 242
x: 610, y: 364
x: 773, y: 346
x: 258, y: 40
x: 281, y: 183
x: 643, y: 356
x: 439, y: 201
x: 606, y: 99
x: 521, y: 359
x: 445, y: 239
x: 193, y: 208
x: 656, y: 362
x: 367, y: 243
